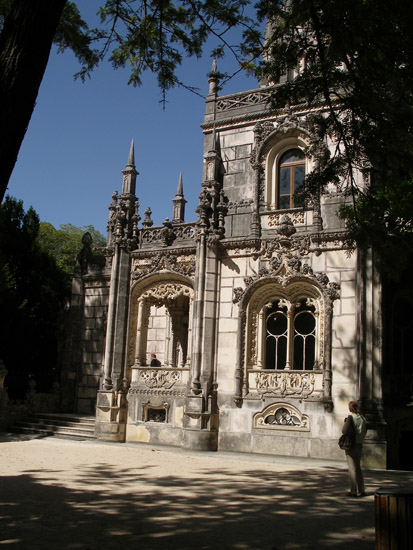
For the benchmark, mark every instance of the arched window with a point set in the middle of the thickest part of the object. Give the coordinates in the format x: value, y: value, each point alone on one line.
x: 291, y: 175
x: 290, y: 335
x: 304, y: 337
x: 276, y: 337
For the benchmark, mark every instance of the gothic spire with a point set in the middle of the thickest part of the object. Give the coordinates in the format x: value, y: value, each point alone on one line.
x: 180, y: 190
x: 131, y: 158
x: 179, y: 203
x: 130, y: 173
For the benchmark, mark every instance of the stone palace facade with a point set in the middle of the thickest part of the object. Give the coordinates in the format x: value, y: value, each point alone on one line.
x: 263, y: 325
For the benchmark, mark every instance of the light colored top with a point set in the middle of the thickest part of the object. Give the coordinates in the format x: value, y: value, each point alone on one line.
x: 360, y: 426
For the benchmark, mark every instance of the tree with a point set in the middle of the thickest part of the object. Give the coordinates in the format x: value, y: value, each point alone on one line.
x: 65, y: 243
x: 33, y: 290
x: 357, y: 73
x: 355, y: 69
x: 145, y: 35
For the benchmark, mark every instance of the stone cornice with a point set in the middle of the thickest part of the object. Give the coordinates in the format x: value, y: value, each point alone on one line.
x: 257, y: 116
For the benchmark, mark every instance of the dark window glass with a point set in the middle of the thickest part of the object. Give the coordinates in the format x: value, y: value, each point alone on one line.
x: 291, y: 175
x: 304, y: 339
x: 276, y: 338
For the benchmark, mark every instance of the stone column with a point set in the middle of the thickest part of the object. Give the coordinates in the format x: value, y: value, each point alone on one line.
x: 261, y: 338
x: 370, y: 359
x: 139, y: 327
x: 200, y: 423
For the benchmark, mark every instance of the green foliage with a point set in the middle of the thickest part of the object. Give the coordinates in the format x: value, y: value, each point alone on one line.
x: 73, y: 33
x: 356, y: 73
x: 64, y: 244
x: 382, y: 219
x: 32, y: 293
x: 357, y: 69
x: 158, y: 35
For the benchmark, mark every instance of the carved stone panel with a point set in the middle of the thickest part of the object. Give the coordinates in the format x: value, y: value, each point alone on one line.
x: 299, y: 384
x: 281, y: 416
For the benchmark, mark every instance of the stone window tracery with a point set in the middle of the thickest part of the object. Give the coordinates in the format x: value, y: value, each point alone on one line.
x: 285, y: 328
x: 290, y: 339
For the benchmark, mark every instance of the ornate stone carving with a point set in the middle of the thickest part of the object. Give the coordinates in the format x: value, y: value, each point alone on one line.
x: 281, y: 416
x: 168, y: 233
x: 242, y: 204
x: 159, y: 378
x: 237, y: 101
x: 182, y: 232
x: 282, y: 268
x: 297, y: 384
x: 297, y: 218
x: 123, y: 220
x: 157, y: 391
x: 165, y: 293
x: 184, y: 265
x: 147, y: 220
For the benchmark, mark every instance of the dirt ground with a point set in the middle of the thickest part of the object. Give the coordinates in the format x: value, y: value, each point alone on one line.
x: 58, y: 494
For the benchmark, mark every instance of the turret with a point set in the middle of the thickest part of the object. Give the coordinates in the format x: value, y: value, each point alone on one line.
x: 123, y: 211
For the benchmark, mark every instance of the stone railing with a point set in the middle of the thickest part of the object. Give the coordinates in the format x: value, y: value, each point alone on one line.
x: 159, y: 377
x: 181, y: 232
x: 246, y: 99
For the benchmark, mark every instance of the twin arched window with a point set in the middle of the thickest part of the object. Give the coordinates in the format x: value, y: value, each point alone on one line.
x: 290, y: 336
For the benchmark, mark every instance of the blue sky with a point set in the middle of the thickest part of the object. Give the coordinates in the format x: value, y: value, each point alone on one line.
x: 79, y: 136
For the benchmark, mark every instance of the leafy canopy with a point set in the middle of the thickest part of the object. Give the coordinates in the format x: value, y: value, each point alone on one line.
x: 32, y: 293
x: 353, y: 64
x: 355, y: 67
x: 65, y: 243
x: 36, y: 266
x: 356, y: 63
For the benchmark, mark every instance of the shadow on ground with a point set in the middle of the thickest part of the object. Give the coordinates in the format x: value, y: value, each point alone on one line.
x: 110, y: 507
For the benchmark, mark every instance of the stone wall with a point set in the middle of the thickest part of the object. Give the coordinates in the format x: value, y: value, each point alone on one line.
x: 92, y: 344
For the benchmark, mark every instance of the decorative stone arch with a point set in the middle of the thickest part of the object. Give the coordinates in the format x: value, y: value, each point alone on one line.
x: 321, y: 293
x: 173, y: 294
x: 281, y: 416
x: 271, y: 140
x: 296, y: 289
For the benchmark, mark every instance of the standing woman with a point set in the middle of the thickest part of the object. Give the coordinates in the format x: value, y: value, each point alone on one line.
x: 354, y: 453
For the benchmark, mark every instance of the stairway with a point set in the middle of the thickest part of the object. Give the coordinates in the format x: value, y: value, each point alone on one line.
x: 69, y: 426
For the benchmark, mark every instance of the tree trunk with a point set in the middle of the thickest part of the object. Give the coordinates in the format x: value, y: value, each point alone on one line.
x: 25, y: 43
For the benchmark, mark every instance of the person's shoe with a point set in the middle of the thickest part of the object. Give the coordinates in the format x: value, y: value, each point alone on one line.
x: 349, y: 494
x: 362, y: 494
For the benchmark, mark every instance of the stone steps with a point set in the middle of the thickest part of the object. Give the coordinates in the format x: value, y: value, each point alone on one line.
x: 69, y: 426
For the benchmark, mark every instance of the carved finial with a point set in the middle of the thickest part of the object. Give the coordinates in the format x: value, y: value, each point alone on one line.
x: 213, y: 79
x: 180, y: 190
x: 147, y: 221
x: 131, y: 158
x: 179, y: 203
